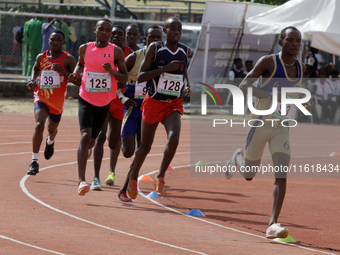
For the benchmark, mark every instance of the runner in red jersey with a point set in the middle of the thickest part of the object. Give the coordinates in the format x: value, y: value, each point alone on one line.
x: 53, y: 66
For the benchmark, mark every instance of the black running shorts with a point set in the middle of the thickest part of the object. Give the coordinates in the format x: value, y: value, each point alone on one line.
x: 91, y: 116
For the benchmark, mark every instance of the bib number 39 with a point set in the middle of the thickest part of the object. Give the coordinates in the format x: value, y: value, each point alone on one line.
x: 50, y: 80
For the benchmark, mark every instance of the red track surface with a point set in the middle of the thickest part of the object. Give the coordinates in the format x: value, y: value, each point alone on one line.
x: 45, y: 211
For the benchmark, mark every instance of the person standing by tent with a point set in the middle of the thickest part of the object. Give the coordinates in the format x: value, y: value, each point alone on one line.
x: 236, y: 72
x: 277, y: 70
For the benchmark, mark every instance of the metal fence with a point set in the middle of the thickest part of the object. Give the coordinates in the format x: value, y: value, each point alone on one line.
x: 13, y: 58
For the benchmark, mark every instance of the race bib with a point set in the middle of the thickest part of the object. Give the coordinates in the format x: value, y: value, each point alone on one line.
x: 140, y: 90
x: 98, y: 82
x: 290, y: 112
x: 170, y: 84
x: 50, y: 79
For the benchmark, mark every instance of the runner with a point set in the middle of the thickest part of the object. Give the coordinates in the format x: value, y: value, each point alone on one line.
x: 277, y: 70
x: 99, y: 62
x: 53, y: 66
x: 164, y: 68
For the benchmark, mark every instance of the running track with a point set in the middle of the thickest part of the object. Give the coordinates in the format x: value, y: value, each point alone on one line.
x: 45, y: 215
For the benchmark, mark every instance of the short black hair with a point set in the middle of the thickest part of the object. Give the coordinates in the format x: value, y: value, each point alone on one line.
x: 173, y: 18
x: 152, y: 27
x: 132, y: 25
x: 120, y: 27
x: 249, y: 62
x: 58, y: 31
x: 236, y: 60
x: 106, y: 20
x: 283, y: 31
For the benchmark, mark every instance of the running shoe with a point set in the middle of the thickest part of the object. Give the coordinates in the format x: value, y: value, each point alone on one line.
x: 83, y: 188
x: 34, y: 168
x: 160, y: 186
x: 276, y: 231
x: 132, y: 189
x: 110, y: 179
x: 123, y: 197
x: 234, y: 164
x: 49, y: 150
x: 96, y: 184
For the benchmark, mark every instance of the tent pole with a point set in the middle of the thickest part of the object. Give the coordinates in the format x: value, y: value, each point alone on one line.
x: 236, y: 41
x: 206, y: 51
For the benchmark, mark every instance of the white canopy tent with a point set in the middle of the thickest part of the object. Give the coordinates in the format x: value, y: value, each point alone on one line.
x: 315, y: 19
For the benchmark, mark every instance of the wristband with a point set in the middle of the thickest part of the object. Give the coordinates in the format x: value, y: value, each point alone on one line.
x: 33, y: 80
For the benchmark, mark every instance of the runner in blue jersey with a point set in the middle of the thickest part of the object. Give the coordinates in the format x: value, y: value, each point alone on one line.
x: 133, y: 98
x: 164, y: 68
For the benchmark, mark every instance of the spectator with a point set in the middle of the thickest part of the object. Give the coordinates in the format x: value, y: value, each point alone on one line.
x: 335, y: 86
x: 249, y: 66
x: 324, y: 95
x: 312, y: 62
x: 71, y: 35
x: 236, y: 72
x: 35, y: 41
x: 46, y: 30
x: 236, y: 75
x: 64, y: 28
x: 22, y: 34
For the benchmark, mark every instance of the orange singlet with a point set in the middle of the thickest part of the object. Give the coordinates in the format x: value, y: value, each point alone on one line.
x: 51, y: 89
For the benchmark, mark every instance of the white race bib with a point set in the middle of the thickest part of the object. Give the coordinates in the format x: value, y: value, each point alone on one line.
x: 50, y: 79
x: 98, y: 82
x: 170, y: 84
x: 291, y: 108
x: 140, y: 90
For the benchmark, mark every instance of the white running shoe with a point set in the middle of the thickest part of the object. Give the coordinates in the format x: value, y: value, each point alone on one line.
x: 276, y: 231
x: 234, y: 164
x: 83, y: 188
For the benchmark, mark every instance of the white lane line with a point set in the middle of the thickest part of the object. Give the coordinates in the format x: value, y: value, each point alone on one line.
x: 22, y: 185
x: 215, y: 224
x: 30, y: 142
x: 30, y: 245
x: 21, y: 153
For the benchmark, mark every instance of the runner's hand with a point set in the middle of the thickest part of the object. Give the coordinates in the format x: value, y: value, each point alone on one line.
x: 58, y: 68
x: 73, y: 77
x: 127, y: 102
x: 107, y: 67
x: 187, y: 90
x: 172, y: 66
x: 31, y: 84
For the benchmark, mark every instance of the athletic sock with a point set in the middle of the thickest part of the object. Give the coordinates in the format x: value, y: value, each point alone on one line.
x: 35, y: 156
x: 49, y: 142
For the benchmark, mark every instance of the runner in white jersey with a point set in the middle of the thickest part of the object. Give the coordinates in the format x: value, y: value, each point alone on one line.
x: 279, y: 70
